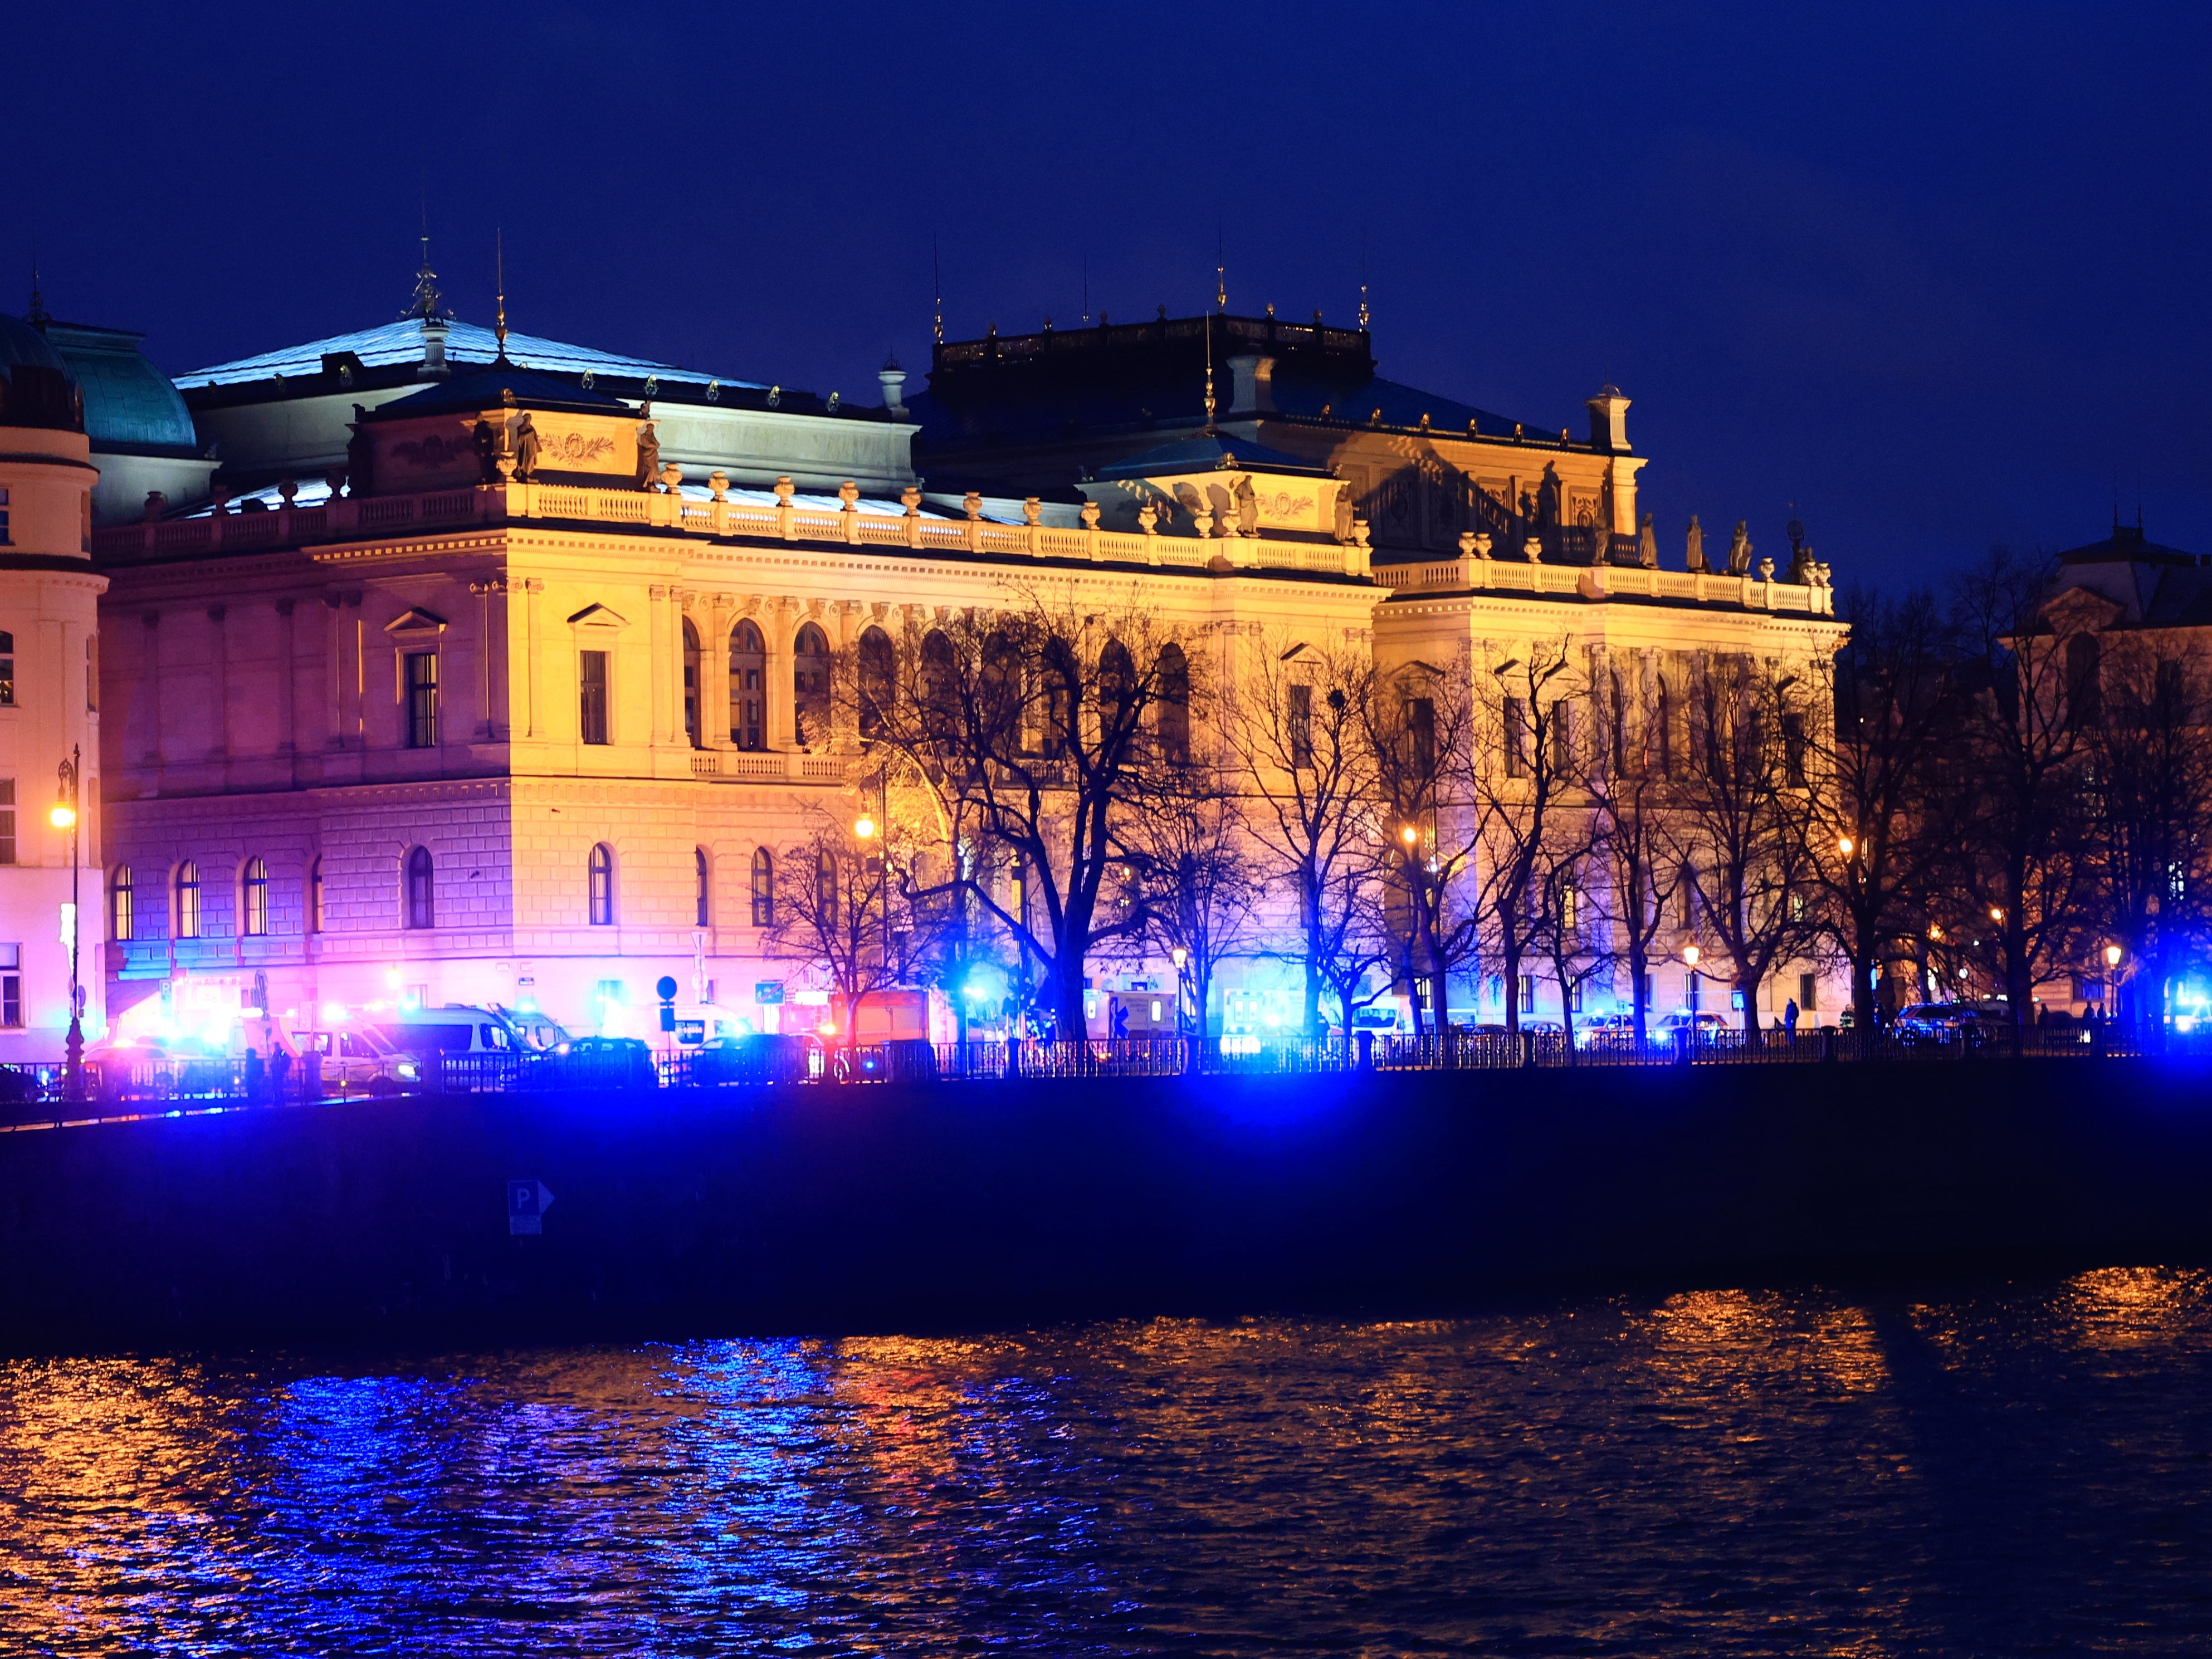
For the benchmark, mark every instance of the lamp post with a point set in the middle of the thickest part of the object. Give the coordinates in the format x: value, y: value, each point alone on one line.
x: 63, y: 817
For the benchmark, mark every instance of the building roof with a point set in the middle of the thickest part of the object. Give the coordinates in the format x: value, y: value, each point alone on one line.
x: 2127, y: 544
x: 391, y: 344
x: 36, y: 386
x: 490, y: 387
x: 1210, y: 452
x: 130, y: 406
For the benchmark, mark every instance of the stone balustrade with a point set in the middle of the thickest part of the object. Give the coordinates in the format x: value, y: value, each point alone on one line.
x: 1599, y: 582
x: 348, y: 519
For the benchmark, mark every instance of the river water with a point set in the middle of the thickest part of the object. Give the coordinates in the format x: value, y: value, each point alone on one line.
x: 1973, y: 1469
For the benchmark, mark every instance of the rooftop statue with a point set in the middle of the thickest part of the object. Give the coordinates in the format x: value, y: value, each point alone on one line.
x: 1739, y: 554
x: 1695, y: 552
x: 648, y: 450
x: 1647, y: 544
x: 526, y: 448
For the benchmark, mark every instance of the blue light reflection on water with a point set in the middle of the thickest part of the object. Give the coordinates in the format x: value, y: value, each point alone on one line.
x: 1987, y: 1468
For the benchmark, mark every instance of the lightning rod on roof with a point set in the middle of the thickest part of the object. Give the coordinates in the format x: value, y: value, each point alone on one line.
x: 499, y: 321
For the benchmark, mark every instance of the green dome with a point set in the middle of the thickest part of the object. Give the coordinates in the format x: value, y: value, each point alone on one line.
x: 130, y: 406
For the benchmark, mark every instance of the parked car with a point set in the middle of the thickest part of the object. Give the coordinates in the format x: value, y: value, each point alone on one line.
x: 764, y: 1057
x: 596, y: 1063
x: 355, y: 1060
x: 1705, y: 1022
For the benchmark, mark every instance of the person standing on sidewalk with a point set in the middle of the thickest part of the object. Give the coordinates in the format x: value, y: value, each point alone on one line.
x: 1789, y: 1020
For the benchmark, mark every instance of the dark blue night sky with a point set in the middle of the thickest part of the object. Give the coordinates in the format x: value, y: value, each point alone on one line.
x: 1934, y: 274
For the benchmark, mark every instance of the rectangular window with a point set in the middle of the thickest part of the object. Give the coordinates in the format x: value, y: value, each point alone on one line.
x: 92, y: 673
x: 1516, y: 737
x: 3, y: 518
x: 591, y: 709
x: 421, y: 690
x: 607, y: 996
x: 7, y: 820
x: 1528, y: 993
x: 11, y: 985
x: 6, y: 670
x: 1807, y: 984
x: 1421, y: 722
x: 1793, y: 748
x: 1301, y: 724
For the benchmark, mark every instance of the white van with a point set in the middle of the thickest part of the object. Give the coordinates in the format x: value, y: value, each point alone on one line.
x: 455, y: 1029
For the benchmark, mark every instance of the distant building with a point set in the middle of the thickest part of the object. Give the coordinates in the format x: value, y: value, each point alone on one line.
x: 48, y: 696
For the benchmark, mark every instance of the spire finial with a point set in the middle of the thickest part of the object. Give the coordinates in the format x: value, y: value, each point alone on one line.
x: 1221, y: 270
x: 1209, y: 377
x: 427, y: 303
x: 937, y: 289
x: 499, y: 321
x: 36, y: 316
x: 1087, y: 291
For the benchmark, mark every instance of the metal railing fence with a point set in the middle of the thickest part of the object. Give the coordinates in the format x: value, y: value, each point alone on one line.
x: 39, y: 1094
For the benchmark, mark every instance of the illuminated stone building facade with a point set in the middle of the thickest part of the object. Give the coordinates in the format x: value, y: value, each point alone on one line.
x: 49, y: 694
x: 430, y: 709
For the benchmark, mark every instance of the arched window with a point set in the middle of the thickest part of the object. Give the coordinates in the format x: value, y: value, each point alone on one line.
x: 693, y: 728
x: 1659, y: 741
x: 253, y: 909
x: 188, y: 900
x: 315, y: 895
x: 764, y: 888
x: 1062, y: 683
x: 940, y: 684
x: 998, y: 694
x: 122, y: 916
x: 747, y: 687
x: 825, y: 890
x: 602, y: 883
x: 700, y: 889
x: 1117, y: 689
x: 1619, y: 729
x: 421, y: 890
x: 1175, y: 704
x: 810, y: 685
x: 2085, y: 692
x: 879, y: 681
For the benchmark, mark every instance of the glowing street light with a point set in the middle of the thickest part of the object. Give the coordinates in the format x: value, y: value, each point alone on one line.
x: 63, y: 817
x: 1846, y: 845
x: 1690, y: 955
x: 1179, y: 956
x: 865, y: 827
x: 2113, y: 954
x: 1996, y: 912
x: 1935, y: 931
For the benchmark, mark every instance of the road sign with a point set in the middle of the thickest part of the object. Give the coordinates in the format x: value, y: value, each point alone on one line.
x: 768, y: 992
x: 665, y: 987
x: 526, y: 1204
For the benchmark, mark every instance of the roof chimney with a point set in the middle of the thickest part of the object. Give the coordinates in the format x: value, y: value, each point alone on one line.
x: 1608, y: 413
x: 893, y: 378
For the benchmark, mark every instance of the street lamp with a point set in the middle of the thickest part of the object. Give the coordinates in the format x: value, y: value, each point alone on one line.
x: 865, y: 827
x: 1409, y: 836
x: 63, y: 817
x: 1996, y: 914
x: 1690, y: 954
x: 1844, y: 845
x: 2113, y: 954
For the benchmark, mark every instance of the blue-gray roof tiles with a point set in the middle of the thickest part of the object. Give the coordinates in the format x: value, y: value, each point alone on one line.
x: 393, y: 344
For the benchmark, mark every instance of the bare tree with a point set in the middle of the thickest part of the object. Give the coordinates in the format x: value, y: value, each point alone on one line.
x: 1295, y: 716
x: 1519, y: 769
x: 1191, y: 858
x: 842, y: 902
x: 1642, y: 876
x: 1883, y: 827
x: 1421, y: 728
x: 2150, y: 809
x: 1742, y: 823
x: 1033, y: 725
x: 1564, y: 927
x: 2024, y: 868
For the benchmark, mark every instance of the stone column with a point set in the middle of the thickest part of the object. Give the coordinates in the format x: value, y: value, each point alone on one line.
x: 287, y: 697
x: 532, y: 591
x: 715, y: 671
x: 150, y: 653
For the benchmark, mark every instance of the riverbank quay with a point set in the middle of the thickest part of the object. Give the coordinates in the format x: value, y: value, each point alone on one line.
x: 895, y: 1205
